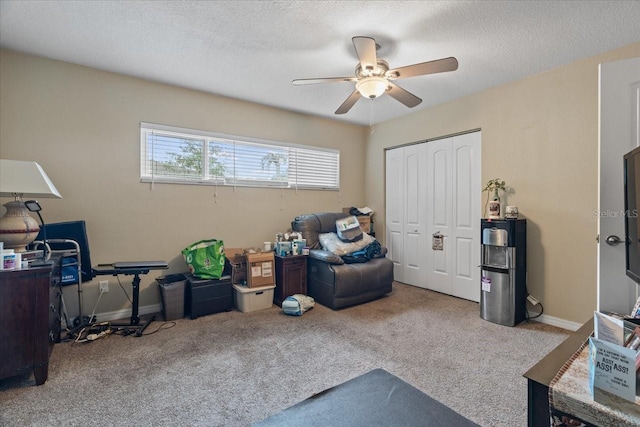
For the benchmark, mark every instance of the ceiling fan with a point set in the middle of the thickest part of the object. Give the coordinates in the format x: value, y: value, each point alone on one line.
x: 374, y: 78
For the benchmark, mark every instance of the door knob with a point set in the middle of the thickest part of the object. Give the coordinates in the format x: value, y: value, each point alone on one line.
x: 613, y: 240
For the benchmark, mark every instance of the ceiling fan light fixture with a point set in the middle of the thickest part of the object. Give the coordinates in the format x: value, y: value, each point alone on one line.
x: 372, y: 87
x: 373, y: 77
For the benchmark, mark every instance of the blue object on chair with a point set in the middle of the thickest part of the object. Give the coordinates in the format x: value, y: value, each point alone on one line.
x: 69, y: 271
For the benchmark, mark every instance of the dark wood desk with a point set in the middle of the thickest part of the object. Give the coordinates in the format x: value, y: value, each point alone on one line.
x: 30, y: 318
x: 540, y: 375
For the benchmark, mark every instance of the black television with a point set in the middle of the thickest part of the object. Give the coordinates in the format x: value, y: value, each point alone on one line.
x: 631, y: 219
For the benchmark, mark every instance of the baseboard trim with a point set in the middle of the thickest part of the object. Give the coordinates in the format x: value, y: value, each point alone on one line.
x: 555, y: 321
x: 126, y: 313
x: 157, y: 308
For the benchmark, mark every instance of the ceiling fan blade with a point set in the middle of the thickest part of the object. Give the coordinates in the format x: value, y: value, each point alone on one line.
x: 299, y: 82
x: 399, y: 94
x: 366, y: 50
x: 431, y: 67
x: 348, y: 103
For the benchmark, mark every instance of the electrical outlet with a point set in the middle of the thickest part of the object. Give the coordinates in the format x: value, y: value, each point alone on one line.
x: 104, y: 286
x: 532, y: 300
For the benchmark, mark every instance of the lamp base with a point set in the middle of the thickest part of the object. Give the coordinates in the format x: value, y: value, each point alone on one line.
x: 17, y: 227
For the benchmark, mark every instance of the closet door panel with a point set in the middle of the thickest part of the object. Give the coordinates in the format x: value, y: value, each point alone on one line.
x: 466, y: 227
x: 415, y: 214
x: 439, y: 196
x: 394, y: 210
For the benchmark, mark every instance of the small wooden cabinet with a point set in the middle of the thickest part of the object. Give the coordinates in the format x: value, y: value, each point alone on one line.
x: 30, y: 318
x: 291, y: 277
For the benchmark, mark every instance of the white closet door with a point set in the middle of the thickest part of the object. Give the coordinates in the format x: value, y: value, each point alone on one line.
x: 440, y: 217
x: 394, y: 210
x: 434, y: 188
x: 415, y: 215
x: 453, y: 194
x: 465, y: 235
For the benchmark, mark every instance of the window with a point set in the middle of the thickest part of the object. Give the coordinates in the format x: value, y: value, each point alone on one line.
x: 175, y: 155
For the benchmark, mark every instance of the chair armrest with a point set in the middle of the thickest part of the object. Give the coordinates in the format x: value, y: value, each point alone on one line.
x: 382, y: 254
x: 325, y: 256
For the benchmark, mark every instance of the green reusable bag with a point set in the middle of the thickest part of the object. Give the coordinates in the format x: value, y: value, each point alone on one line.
x: 205, y: 258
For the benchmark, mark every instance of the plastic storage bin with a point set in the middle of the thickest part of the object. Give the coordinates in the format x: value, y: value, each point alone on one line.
x: 253, y: 299
x: 208, y: 296
x: 172, y: 289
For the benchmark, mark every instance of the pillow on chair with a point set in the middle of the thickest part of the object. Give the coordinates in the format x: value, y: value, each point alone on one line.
x: 332, y: 243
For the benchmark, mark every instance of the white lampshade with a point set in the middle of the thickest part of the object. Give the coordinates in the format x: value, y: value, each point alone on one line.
x: 18, y: 179
x: 25, y: 178
x: 372, y: 87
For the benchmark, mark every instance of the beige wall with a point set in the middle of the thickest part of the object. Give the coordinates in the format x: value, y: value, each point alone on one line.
x: 540, y: 135
x: 82, y: 126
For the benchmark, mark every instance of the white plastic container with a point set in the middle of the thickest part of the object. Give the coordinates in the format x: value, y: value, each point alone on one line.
x: 253, y: 299
x: 8, y: 259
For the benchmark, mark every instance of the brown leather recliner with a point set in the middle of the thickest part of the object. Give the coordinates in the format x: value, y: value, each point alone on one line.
x: 330, y: 281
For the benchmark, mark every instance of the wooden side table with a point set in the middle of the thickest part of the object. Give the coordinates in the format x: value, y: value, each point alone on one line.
x: 30, y: 317
x: 542, y: 373
x: 291, y: 277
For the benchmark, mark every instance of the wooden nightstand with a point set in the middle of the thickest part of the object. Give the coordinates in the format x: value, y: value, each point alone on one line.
x: 30, y: 301
x: 291, y: 277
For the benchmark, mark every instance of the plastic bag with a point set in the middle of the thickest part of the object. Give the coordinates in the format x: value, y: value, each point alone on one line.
x: 205, y: 258
x: 332, y: 243
x: 372, y: 250
x: 297, y: 304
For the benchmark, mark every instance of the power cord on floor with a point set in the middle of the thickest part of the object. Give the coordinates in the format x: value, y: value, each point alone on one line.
x: 530, y: 299
x: 123, y: 290
x: 93, y: 332
x: 163, y: 325
x: 537, y: 315
x: 92, y: 318
x: 126, y: 331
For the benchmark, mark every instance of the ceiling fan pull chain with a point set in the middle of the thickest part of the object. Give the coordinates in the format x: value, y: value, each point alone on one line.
x: 371, y: 116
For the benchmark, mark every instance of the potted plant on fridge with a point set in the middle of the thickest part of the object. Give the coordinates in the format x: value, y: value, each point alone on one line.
x: 494, y: 185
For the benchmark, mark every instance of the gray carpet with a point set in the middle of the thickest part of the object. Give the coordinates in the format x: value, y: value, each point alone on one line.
x: 235, y: 369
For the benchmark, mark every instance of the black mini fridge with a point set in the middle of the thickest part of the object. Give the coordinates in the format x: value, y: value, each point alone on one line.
x: 503, y: 278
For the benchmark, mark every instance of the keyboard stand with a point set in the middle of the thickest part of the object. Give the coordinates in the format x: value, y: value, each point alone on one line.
x: 135, y: 326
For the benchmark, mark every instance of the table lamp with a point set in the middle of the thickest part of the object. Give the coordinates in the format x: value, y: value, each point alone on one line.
x: 17, y: 179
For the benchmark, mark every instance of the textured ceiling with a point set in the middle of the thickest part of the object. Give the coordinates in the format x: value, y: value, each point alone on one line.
x: 252, y: 50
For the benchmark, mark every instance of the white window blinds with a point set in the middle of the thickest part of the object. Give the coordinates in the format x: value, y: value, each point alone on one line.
x: 176, y: 155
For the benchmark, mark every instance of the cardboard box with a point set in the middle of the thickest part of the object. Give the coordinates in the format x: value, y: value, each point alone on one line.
x: 365, y: 223
x: 260, y: 269
x: 253, y: 299
x: 238, y: 261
